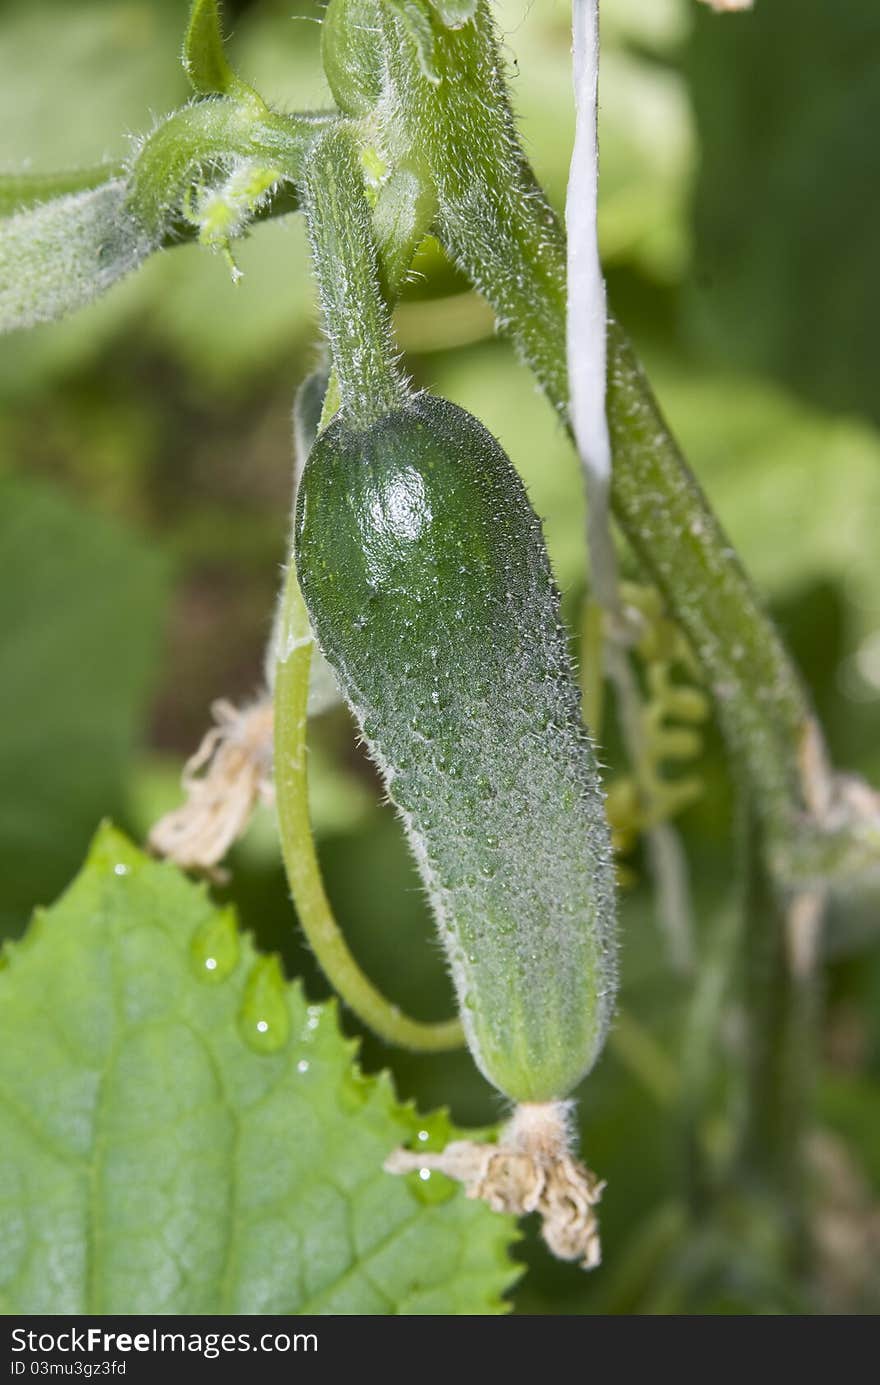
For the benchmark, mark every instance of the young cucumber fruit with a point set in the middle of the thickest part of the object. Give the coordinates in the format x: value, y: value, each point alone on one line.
x: 427, y: 580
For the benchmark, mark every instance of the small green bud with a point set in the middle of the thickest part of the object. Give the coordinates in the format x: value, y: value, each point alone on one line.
x: 224, y: 212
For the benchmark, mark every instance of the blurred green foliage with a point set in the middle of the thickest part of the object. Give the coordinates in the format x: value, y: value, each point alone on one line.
x: 786, y: 207
x: 80, y: 609
x: 150, y: 435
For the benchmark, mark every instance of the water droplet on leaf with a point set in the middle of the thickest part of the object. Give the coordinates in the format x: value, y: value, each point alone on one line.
x: 214, y: 950
x: 264, y: 1018
x: 430, y: 1188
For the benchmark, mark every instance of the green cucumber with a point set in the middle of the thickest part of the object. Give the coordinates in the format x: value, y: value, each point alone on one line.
x: 429, y: 588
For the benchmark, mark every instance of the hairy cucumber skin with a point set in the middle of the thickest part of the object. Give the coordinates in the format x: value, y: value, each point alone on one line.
x: 428, y: 583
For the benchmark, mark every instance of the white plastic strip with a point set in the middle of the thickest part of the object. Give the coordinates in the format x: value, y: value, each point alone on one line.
x: 586, y: 330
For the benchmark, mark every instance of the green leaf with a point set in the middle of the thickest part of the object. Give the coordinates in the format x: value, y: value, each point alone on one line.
x: 81, y: 602
x: 179, y: 1138
x: 204, y: 60
x: 59, y: 255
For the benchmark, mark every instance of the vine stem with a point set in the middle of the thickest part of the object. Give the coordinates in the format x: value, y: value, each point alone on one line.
x: 294, y: 652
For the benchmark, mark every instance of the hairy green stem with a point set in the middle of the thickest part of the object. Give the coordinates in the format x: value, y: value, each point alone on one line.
x: 294, y: 651
x: 356, y: 317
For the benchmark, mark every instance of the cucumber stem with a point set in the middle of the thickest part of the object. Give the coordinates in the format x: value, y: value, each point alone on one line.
x: 356, y: 317
x: 294, y: 654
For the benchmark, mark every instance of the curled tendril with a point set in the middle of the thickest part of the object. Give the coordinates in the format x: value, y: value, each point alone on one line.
x: 670, y: 715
